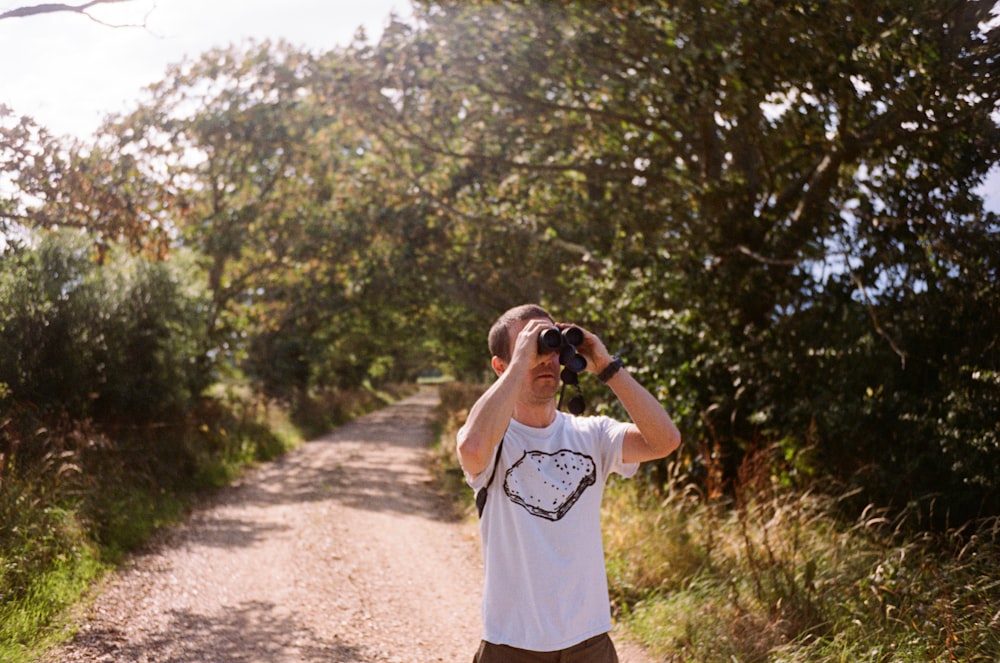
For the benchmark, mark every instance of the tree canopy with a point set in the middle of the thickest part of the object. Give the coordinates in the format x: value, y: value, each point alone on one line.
x: 769, y: 208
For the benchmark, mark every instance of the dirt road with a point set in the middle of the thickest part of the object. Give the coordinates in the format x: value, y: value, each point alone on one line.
x: 340, y: 551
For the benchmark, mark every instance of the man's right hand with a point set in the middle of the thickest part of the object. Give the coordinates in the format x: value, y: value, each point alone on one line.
x: 526, y: 344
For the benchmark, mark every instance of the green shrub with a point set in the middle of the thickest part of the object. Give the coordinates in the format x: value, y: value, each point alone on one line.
x: 125, y: 338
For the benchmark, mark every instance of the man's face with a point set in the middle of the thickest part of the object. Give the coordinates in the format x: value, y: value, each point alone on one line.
x: 542, y: 382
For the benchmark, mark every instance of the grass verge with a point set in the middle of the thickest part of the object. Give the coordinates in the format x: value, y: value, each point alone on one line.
x: 76, y: 498
x: 779, y: 575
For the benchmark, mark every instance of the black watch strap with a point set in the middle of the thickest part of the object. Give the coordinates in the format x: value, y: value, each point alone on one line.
x: 610, y: 370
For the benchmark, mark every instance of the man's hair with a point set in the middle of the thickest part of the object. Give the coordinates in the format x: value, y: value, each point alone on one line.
x: 500, y: 342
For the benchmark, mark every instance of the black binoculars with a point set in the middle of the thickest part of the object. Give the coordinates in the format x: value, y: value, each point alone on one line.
x: 565, y: 342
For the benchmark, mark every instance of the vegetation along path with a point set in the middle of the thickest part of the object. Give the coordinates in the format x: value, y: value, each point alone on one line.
x: 340, y: 551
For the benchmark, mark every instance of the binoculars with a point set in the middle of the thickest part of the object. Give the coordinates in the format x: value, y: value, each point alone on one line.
x: 565, y: 342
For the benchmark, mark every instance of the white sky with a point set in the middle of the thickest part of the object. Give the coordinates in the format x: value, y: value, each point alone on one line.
x: 68, y: 72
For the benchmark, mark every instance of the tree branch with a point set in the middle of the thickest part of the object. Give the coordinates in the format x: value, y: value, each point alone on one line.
x: 54, y: 7
x: 764, y: 260
x: 870, y: 307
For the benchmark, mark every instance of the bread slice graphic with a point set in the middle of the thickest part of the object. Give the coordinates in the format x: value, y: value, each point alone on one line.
x: 548, y: 485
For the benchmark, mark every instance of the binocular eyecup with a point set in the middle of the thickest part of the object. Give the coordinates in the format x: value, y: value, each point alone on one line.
x: 549, y: 340
x: 565, y: 342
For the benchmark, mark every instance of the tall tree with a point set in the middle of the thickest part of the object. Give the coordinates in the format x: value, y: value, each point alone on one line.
x: 231, y: 134
x: 770, y: 202
x: 319, y: 264
x: 769, y: 205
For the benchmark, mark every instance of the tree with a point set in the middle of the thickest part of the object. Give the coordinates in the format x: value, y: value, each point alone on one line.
x: 771, y: 203
x: 767, y: 207
x: 318, y: 268
x: 66, y: 184
x: 114, y: 342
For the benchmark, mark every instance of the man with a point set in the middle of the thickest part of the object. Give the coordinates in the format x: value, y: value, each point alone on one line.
x: 545, y: 596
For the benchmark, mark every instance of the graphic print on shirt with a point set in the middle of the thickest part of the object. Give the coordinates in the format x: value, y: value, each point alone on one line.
x: 548, y: 485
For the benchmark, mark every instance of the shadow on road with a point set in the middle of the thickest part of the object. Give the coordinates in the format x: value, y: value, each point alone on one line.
x: 248, y: 632
x: 377, y: 462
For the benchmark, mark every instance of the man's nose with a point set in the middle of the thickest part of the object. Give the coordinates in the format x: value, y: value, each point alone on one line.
x: 549, y: 358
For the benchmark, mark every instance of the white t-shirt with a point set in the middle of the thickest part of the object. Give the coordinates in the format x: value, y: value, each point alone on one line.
x: 546, y: 585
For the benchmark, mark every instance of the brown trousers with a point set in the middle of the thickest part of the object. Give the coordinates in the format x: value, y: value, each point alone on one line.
x: 598, y: 649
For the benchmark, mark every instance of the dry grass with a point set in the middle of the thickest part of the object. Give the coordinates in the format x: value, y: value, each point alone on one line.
x: 780, y: 576
x: 456, y: 400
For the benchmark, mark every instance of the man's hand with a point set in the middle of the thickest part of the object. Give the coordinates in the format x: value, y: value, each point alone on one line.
x: 592, y: 349
x: 525, y: 348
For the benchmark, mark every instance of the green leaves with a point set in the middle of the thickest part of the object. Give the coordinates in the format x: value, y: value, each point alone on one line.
x: 122, y: 340
x: 792, y: 180
x: 767, y: 206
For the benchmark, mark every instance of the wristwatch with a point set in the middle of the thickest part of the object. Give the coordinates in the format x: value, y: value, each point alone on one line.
x: 611, y: 369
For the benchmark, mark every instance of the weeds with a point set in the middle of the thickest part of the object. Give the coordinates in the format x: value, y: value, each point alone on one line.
x: 777, y: 575
x: 46, y: 558
x: 456, y: 400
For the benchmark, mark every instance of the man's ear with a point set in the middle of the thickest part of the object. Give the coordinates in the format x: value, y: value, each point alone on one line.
x: 499, y: 365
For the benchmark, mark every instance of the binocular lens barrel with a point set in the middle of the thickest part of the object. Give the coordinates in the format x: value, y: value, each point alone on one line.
x: 576, y: 363
x: 553, y: 338
x: 565, y: 342
x: 549, y: 340
x: 573, y: 336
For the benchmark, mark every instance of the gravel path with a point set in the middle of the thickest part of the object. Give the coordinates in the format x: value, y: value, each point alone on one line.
x: 339, y: 551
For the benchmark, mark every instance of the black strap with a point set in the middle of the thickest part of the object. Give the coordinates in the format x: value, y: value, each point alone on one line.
x: 481, y: 493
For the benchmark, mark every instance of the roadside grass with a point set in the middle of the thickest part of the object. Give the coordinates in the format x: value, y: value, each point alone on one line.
x: 780, y: 575
x: 75, y: 500
x: 46, y: 555
x: 455, y: 400
x: 774, y: 573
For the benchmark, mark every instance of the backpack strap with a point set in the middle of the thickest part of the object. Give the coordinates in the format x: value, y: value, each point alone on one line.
x: 481, y: 493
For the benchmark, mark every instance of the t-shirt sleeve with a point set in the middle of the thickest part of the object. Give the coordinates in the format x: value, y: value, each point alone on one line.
x: 613, y: 458
x: 478, y: 481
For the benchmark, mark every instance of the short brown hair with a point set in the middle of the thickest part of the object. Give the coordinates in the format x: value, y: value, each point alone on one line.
x: 499, y: 339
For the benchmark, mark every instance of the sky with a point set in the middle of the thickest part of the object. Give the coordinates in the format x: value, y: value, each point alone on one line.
x: 68, y: 72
